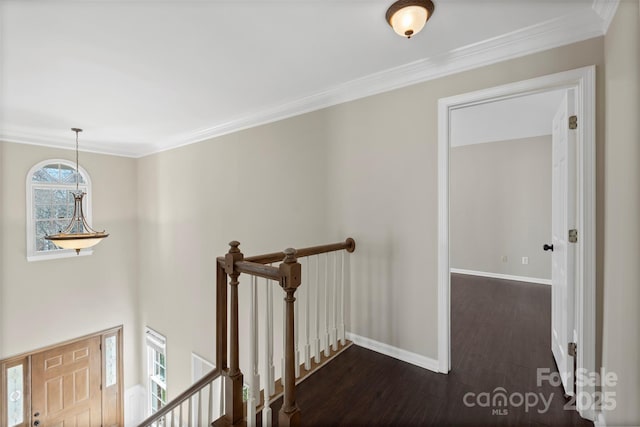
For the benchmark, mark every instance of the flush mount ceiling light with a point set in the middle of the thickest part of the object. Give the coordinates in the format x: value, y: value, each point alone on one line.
x: 408, y: 17
x: 78, y: 234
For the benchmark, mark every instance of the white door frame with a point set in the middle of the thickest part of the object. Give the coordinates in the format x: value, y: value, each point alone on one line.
x: 583, y: 81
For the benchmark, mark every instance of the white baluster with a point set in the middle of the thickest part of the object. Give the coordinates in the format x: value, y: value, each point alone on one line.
x: 266, y: 416
x: 180, y: 416
x: 221, y: 396
x: 307, y: 297
x: 334, y: 330
x: 190, y: 415
x: 296, y: 333
x: 317, y: 293
x: 251, y: 412
x: 341, y: 330
x: 284, y: 342
x: 327, y: 338
x: 270, y: 369
x: 254, y: 376
x: 210, y: 411
x: 199, y: 412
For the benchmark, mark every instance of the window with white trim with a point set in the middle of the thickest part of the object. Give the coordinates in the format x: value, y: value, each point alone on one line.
x: 156, y: 370
x: 50, y: 187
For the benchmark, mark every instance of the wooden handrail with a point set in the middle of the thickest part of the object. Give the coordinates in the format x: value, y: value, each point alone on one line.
x: 183, y: 397
x: 260, y: 270
x: 349, y: 245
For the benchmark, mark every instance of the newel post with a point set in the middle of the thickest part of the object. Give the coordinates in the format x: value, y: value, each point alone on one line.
x: 233, y: 386
x: 291, y: 272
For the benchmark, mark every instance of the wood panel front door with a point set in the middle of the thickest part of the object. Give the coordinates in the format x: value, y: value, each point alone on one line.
x: 65, y: 385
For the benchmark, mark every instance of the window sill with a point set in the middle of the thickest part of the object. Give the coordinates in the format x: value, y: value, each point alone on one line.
x: 70, y: 253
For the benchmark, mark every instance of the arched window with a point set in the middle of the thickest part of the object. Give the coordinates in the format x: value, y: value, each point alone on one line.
x: 50, y: 205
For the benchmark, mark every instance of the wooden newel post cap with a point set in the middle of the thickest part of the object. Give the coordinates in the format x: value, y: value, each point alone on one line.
x: 290, y: 255
x: 290, y: 271
x: 232, y: 257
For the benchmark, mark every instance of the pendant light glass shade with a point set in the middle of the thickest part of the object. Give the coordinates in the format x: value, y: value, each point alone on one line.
x: 78, y: 234
x: 408, y: 17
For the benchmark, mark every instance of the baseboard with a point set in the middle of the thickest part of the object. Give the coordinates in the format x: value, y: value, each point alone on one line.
x: 502, y: 276
x: 600, y: 420
x: 395, y: 352
x: 134, y: 405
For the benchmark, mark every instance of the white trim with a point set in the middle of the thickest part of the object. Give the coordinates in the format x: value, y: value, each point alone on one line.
x: 204, y: 362
x: 607, y: 10
x: 444, y: 275
x: 525, y: 41
x: 134, y: 398
x: 583, y: 81
x: 32, y: 254
x: 155, y: 340
x: 59, y: 254
x: 109, y: 148
x: 502, y: 276
x: 395, y: 352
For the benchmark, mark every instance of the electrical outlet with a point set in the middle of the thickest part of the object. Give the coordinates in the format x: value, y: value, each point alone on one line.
x: 504, y: 258
x: 525, y: 260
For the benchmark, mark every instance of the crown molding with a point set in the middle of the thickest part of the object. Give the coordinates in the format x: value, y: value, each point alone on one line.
x: 536, y: 38
x: 606, y: 9
x: 525, y: 41
x: 87, y: 146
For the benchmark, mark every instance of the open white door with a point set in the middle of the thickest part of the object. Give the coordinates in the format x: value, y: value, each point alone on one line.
x: 563, y: 209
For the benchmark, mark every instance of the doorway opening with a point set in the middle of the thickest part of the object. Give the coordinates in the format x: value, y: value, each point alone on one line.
x: 580, y: 84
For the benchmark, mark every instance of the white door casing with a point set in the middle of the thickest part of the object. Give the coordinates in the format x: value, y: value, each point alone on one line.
x: 563, y: 189
x: 583, y: 81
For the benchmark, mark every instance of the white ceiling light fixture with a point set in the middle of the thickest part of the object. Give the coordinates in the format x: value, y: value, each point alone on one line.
x: 78, y: 234
x: 408, y: 17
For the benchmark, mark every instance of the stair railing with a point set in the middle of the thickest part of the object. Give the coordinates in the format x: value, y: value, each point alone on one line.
x: 199, y: 399
x: 289, y: 276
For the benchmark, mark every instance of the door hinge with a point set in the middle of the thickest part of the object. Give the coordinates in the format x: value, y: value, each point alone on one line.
x: 573, y: 122
x: 100, y: 386
x: 573, y: 235
x: 573, y: 349
x: 100, y: 347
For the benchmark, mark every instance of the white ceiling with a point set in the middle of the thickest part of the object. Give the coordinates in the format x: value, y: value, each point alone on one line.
x: 142, y: 76
x: 513, y: 118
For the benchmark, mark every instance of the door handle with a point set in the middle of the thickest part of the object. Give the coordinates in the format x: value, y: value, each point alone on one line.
x: 547, y: 247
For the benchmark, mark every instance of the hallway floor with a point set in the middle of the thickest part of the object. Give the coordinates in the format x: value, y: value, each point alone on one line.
x: 500, y: 337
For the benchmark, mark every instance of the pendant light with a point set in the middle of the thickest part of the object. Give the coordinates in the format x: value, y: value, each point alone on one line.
x: 408, y: 17
x: 78, y: 234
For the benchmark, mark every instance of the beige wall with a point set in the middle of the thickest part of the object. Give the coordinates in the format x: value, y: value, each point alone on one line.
x: 46, y: 302
x: 621, y: 324
x: 265, y: 187
x: 500, y: 205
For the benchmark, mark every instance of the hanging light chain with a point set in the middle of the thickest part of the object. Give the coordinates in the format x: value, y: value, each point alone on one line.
x: 77, y: 164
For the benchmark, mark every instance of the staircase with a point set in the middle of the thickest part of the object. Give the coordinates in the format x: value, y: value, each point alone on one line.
x: 304, y: 344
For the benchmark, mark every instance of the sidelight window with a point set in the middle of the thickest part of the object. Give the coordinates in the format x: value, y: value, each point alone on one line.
x: 14, y: 376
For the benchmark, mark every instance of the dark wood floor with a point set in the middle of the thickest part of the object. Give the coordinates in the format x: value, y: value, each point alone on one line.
x: 500, y: 336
